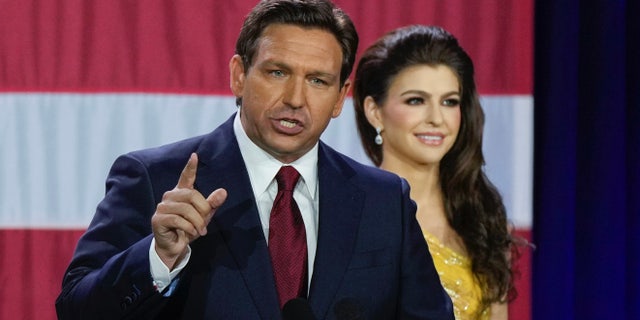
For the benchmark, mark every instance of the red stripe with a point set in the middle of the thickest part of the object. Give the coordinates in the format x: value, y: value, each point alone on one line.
x: 185, y: 46
x: 520, y: 308
x: 498, y: 35
x: 96, y: 90
x: 33, y: 263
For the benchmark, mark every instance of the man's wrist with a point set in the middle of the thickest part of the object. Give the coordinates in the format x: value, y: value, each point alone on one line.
x: 161, y: 274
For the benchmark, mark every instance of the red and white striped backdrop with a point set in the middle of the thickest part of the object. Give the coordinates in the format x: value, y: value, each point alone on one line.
x: 82, y: 81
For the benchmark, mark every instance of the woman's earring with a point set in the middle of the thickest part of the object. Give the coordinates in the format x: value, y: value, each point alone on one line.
x: 378, y: 139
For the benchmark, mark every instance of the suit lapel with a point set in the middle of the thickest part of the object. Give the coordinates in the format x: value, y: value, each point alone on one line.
x: 238, y: 222
x: 237, y: 219
x: 339, y: 215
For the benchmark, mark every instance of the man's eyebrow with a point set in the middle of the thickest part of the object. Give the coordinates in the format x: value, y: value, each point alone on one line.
x: 275, y: 63
x: 324, y: 75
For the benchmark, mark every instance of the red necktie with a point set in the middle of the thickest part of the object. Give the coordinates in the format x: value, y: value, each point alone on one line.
x: 287, y: 239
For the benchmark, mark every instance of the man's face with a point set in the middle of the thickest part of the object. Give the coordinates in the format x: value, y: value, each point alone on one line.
x: 291, y: 91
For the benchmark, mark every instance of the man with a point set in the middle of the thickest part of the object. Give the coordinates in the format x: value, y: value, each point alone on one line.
x: 200, y: 241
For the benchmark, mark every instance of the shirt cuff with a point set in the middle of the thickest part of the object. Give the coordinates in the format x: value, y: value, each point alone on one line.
x: 160, y: 273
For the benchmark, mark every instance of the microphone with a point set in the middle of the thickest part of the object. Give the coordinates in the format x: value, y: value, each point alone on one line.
x: 297, y: 309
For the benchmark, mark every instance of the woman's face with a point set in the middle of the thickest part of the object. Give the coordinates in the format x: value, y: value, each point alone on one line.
x: 421, y: 115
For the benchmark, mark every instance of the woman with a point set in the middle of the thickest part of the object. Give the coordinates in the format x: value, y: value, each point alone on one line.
x: 419, y: 116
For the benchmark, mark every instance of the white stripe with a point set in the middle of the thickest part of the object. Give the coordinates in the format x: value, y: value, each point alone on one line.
x: 57, y: 148
x: 508, y: 151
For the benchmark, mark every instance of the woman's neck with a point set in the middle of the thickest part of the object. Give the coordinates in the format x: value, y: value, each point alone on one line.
x: 426, y: 191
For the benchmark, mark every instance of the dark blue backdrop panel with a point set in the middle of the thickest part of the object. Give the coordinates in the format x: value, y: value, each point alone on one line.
x: 586, y: 160
x: 601, y: 166
x: 555, y: 127
x: 633, y: 161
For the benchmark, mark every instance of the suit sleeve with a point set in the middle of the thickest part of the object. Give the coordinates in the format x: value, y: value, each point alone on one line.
x: 109, y: 275
x: 421, y: 293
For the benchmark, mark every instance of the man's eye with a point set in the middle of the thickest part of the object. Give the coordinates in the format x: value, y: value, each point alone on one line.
x: 318, y: 81
x: 277, y: 73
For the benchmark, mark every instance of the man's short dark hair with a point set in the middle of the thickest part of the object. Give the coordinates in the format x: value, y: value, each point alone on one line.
x: 322, y: 14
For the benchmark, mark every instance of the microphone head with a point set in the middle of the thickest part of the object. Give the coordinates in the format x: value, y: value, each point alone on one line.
x: 298, y: 309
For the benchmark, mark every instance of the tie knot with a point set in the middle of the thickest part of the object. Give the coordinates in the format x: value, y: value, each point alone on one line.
x: 287, y: 178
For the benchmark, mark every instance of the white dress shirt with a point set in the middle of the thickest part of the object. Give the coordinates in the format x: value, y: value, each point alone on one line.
x: 262, y: 169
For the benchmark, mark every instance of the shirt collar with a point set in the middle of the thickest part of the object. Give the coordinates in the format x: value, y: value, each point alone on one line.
x: 262, y: 167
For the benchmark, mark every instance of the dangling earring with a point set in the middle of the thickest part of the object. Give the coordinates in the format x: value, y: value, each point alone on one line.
x: 378, y: 139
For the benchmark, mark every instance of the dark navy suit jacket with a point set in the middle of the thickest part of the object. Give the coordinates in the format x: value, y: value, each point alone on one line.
x: 372, y: 261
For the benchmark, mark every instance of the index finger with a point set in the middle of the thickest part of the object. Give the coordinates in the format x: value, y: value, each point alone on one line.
x: 188, y: 175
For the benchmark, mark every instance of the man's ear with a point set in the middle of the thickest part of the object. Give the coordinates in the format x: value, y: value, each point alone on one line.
x: 236, y: 75
x: 372, y: 112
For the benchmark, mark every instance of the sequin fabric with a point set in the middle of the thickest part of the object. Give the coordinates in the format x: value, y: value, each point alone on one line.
x: 455, y: 274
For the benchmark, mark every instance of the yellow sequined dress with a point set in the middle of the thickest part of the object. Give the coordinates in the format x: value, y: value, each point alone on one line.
x: 456, y: 277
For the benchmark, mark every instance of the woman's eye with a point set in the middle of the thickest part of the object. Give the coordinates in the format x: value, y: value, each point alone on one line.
x: 415, y: 101
x: 451, y: 102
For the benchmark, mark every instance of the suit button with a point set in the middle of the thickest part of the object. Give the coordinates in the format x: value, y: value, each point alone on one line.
x: 126, y: 302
